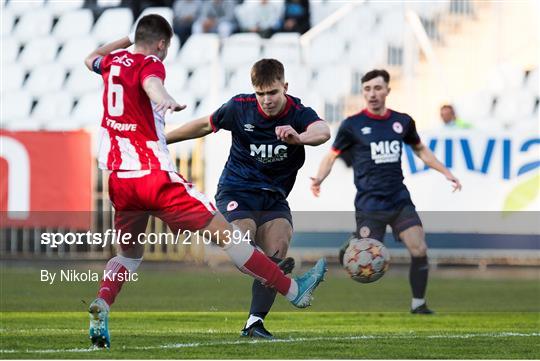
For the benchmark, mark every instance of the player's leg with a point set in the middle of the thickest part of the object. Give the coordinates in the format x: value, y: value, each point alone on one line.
x: 127, y: 259
x: 273, y: 237
x: 408, y: 228
x: 188, y: 209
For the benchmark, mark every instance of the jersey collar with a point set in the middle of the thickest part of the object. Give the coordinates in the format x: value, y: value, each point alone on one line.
x: 281, y: 114
x: 385, y: 116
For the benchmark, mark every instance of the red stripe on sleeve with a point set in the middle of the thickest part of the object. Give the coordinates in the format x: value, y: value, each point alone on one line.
x: 214, y: 129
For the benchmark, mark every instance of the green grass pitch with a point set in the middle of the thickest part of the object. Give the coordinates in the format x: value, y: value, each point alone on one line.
x: 191, y: 313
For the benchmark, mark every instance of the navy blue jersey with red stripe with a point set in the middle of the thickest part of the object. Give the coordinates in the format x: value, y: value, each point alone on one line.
x: 375, y: 145
x: 257, y: 159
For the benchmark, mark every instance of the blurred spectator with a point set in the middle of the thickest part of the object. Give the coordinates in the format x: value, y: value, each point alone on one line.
x: 217, y: 16
x: 185, y: 13
x: 261, y: 16
x: 448, y: 116
x: 296, y: 16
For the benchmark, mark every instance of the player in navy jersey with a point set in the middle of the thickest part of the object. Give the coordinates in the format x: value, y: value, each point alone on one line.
x: 143, y: 181
x: 269, y: 130
x: 374, y: 140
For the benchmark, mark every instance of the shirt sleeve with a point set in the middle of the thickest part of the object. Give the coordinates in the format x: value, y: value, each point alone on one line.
x: 152, y: 67
x: 308, y: 117
x: 344, y: 138
x: 411, y: 135
x: 223, y: 118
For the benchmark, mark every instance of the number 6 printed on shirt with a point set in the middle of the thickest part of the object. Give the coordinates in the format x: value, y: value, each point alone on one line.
x: 115, y: 94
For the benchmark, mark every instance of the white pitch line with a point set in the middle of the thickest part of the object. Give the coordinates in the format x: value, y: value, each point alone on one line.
x: 285, y: 340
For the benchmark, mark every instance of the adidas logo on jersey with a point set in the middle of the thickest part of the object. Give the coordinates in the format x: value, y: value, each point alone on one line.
x: 267, y: 153
x: 385, y: 151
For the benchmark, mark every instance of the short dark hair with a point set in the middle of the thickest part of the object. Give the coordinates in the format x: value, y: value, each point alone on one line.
x: 448, y: 106
x: 372, y: 74
x: 152, y: 28
x: 266, y: 71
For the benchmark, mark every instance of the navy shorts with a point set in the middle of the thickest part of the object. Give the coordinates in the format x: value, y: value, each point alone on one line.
x: 259, y: 205
x: 373, y: 224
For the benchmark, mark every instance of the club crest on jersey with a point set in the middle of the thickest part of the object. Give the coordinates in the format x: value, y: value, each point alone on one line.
x: 385, y: 151
x: 398, y: 128
x: 268, y: 153
x: 249, y: 127
x: 364, y: 232
x: 366, y: 130
x: 232, y: 206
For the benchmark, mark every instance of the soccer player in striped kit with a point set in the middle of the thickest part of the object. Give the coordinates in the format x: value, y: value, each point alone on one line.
x: 143, y: 180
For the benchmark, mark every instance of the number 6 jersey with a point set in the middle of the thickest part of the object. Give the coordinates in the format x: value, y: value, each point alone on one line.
x: 132, y: 134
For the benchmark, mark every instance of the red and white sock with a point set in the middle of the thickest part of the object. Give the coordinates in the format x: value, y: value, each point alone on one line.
x: 253, y: 262
x: 111, y: 284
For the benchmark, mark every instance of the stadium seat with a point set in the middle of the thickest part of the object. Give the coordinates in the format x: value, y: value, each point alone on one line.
x: 203, y: 78
x: 53, y: 106
x: 240, y: 81
x: 45, y: 78
x: 512, y: 107
x: 82, y: 81
x: 75, y: 50
x: 172, y: 53
x: 88, y: 110
x: 533, y: 82
x: 185, y: 115
x: 207, y: 106
x: 10, y: 49
x: 176, y: 77
x: 23, y: 7
x: 283, y: 46
x: 365, y: 54
x: 108, y: 3
x: 73, y: 24
x: 325, y: 49
x: 358, y: 24
x: 113, y: 24
x: 240, y: 49
x: 299, y: 79
x: 474, y: 107
x: 166, y: 12
x: 319, y: 10
x: 333, y: 81
x: 20, y: 104
x: 33, y: 24
x: 200, y: 49
x: 504, y: 77
x: 59, y: 7
x: 8, y: 20
x: 13, y: 77
x: 39, y: 51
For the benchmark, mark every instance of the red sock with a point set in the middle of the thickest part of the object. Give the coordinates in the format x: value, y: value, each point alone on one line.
x: 111, y: 284
x: 266, y: 271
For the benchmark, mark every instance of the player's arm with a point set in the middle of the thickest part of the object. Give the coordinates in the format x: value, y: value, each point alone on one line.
x: 316, y: 133
x: 427, y: 156
x: 153, y: 86
x: 194, y: 129
x: 106, y: 50
x: 324, y: 170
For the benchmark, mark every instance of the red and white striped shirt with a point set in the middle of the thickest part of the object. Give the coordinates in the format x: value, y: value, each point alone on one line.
x: 132, y: 133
